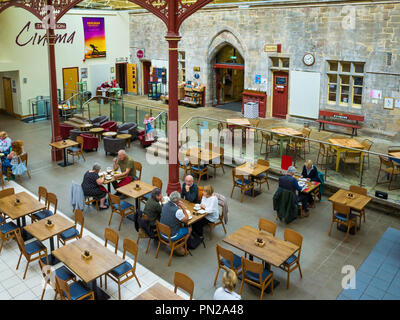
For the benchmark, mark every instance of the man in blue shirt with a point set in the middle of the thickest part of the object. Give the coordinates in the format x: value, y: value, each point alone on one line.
x: 190, y: 191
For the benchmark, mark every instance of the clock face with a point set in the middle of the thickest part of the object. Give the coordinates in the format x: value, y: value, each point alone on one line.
x: 308, y: 59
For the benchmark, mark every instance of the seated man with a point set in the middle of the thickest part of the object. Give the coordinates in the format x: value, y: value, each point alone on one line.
x: 190, y: 191
x: 152, y: 209
x: 127, y: 166
x: 173, y: 215
x: 289, y: 182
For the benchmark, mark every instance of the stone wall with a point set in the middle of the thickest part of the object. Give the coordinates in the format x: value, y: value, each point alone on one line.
x: 364, y: 33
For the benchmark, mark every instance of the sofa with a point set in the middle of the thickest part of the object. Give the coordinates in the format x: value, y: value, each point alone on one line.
x: 96, y: 122
x: 129, y: 128
x: 113, y: 145
x: 109, y: 126
x: 89, y: 142
x: 142, y: 139
x: 65, y: 130
x: 74, y: 133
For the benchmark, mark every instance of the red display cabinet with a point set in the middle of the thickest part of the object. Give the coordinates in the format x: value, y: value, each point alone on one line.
x: 256, y: 96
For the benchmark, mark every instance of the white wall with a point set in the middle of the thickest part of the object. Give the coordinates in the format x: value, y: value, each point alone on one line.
x: 32, y: 60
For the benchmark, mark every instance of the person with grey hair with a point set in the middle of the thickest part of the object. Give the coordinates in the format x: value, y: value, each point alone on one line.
x: 92, y: 186
x: 173, y: 214
x: 152, y: 210
x: 127, y: 166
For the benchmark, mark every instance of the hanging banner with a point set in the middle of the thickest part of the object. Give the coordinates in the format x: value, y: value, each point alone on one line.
x: 95, y: 38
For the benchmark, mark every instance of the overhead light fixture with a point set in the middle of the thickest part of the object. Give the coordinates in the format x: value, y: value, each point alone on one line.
x: 243, y: 6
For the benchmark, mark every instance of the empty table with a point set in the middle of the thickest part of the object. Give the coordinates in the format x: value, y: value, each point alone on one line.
x: 64, y: 144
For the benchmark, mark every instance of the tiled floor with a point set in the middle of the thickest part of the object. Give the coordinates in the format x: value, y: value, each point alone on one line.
x: 378, y: 278
x: 14, y: 287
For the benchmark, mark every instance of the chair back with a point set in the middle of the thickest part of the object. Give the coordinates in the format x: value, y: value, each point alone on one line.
x: 225, y: 254
x: 367, y: 144
x: 110, y: 235
x: 184, y: 282
x: 359, y: 190
x: 138, y: 167
x: 385, y: 161
x: 24, y: 158
x: 7, y: 192
x: 340, y: 208
x: 42, y: 193
x: 209, y: 146
x: 293, y: 237
x: 52, y: 200
x: 63, y: 288
x: 321, y: 148
x: 200, y: 193
x: 165, y: 230
x: 237, y: 177
x: 157, y: 182
x: 79, y: 139
x: 256, y: 123
x: 252, y: 266
x: 267, y: 225
x: 266, y: 135
x: 48, y: 276
x: 114, y: 200
x: 306, y: 132
x: 20, y: 242
x: 131, y: 247
x: 79, y: 218
x: 263, y: 162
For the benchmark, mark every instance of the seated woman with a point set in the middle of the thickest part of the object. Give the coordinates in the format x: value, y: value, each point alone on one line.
x: 310, y: 171
x: 92, y: 185
x: 226, y: 292
x: 209, y: 202
x: 12, y: 158
x: 5, y: 143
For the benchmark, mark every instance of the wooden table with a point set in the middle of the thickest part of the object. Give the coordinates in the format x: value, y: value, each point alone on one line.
x: 238, y: 122
x: 311, y: 186
x: 110, y: 134
x: 97, y: 132
x: 395, y: 154
x: 342, y: 145
x: 42, y: 233
x: 275, y: 251
x: 27, y: 205
x: 195, y: 216
x: 127, y: 137
x: 358, y: 202
x: 64, y: 144
x: 158, y: 292
x: 247, y: 169
x: 282, y: 135
x: 129, y: 190
x: 102, y: 261
x: 204, y: 155
x: 108, y: 182
x: 86, y: 126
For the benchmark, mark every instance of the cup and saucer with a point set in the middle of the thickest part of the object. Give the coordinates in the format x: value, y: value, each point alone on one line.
x: 197, y: 207
x: 189, y: 215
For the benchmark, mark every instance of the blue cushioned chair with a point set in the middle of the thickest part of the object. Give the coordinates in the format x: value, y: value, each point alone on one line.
x: 29, y: 250
x: 156, y: 182
x: 125, y: 271
x: 75, y: 291
x: 293, y: 262
x: 62, y: 272
x: 200, y: 170
x: 255, y: 274
x: 262, y: 177
x: 242, y: 183
x: 73, y: 233
x: 341, y: 215
x: 51, y: 200
x: 77, y: 151
x: 7, y: 232
x: 122, y: 208
x: 227, y: 260
x: 217, y: 162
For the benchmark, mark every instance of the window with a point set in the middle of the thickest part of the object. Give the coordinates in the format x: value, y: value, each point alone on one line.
x: 279, y: 63
x: 345, y: 83
x: 182, y: 66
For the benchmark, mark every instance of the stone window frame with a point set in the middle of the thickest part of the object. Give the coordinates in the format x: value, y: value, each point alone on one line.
x: 182, y: 66
x: 280, y: 62
x: 340, y: 74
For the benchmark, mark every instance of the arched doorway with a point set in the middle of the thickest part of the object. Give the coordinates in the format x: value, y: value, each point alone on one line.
x: 229, y: 77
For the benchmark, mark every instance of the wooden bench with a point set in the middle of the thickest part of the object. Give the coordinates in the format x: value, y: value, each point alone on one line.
x: 347, y: 120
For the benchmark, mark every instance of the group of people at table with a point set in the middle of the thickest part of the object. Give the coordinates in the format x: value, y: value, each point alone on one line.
x: 10, y: 152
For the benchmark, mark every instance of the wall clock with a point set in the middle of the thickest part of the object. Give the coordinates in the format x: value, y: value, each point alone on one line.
x: 308, y: 59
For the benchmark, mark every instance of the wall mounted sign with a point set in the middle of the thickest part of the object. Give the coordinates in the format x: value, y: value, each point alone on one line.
x: 375, y: 94
x: 258, y: 79
x: 196, y: 76
x: 273, y: 47
x: 60, y: 26
x: 84, y: 73
x: 140, y: 54
x: 119, y: 60
x: 95, y: 38
x: 196, y: 69
x: 24, y: 38
x: 388, y: 103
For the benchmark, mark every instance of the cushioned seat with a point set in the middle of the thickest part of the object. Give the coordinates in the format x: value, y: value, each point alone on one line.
x: 76, y: 290
x: 43, y: 214
x: 7, y: 227
x: 256, y: 277
x: 181, y: 233
x: 197, y: 167
x: 64, y: 274
x: 70, y: 233
x: 124, y: 205
x: 245, y: 181
x: 261, y: 175
x: 33, y: 247
x: 123, y: 268
x: 290, y: 260
x: 343, y: 217
x: 74, y: 149
x: 2, y: 219
x: 147, y: 196
x: 237, y: 262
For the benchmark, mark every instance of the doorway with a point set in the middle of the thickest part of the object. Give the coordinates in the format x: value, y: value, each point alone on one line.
x: 120, y: 75
x: 146, y: 76
x: 70, y: 78
x: 7, y: 88
x: 229, y: 69
x: 280, y: 94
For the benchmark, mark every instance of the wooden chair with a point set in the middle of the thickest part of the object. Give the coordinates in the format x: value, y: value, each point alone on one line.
x: 24, y: 158
x: 390, y: 169
x: 1, y: 176
x: 227, y: 260
x: 89, y: 200
x: 122, y: 208
x: 255, y: 124
x: 72, y: 233
x: 75, y: 291
x: 198, y: 169
x: 367, y: 147
x: 298, y: 144
x: 243, y: 184
x: 125, y: 271
x: 363, y: 191
x: 7, y: 192
x: 341, y: 215
x: 262, y: 177
x: 267, y: 225
x: 143, y: 235
x: 184, y: 165
x: 269, y: 143
x: 220, y: 162
x: 325, y: 153
x: 166, y: 239
x: 138, y: 168
x: 156, y: 182
x: 110, y: 235
x: 220, y: 221
x: 28, y: 250
x: 48, y: 276
x: 7, y: 231
x: 182, y: 281
x: 293, y: 262
x: 254, y: 273
x: 77, y: 151
x: 51, y: 201
x: 306, y: 134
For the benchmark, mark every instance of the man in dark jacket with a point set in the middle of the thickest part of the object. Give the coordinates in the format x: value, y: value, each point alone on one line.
x: 190, y: 191
x: 152, y: 209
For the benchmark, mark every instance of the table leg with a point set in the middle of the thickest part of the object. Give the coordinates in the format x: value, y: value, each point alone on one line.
x: 52, y: 259
x: 65, y: 157
x: 98, y: 293
x: 337, y: 160
x: 361, y: 162
x: 25, y: 235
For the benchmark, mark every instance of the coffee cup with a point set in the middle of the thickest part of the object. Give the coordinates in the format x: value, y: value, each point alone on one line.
x: 109, y: 170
